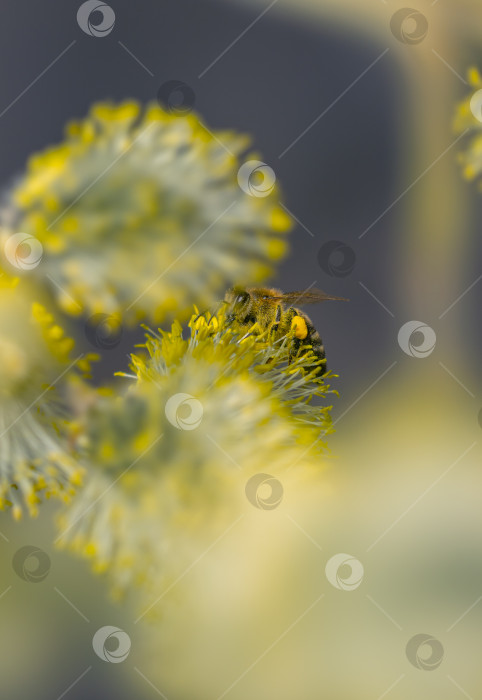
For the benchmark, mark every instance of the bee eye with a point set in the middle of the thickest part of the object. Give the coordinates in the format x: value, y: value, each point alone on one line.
x: 242, y: 298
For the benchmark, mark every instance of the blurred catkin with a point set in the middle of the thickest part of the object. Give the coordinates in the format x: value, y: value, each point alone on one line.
x: 169, y: 460
x: 140, y: 213
x: 35, y: 358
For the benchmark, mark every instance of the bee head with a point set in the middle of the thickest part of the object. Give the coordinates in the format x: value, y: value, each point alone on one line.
x: 239, y: 302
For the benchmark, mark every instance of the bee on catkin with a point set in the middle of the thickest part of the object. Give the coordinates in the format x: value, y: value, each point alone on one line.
x: 274, y: 311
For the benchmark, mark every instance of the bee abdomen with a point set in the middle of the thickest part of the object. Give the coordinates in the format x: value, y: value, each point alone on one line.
x: 313, y: 339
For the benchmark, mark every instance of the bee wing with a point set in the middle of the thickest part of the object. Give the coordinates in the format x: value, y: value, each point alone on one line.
x: 313, y: 296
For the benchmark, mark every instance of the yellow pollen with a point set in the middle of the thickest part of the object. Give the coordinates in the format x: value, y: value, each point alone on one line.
x: 298, y: 325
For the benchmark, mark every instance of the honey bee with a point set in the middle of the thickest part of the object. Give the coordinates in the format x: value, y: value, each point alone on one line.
x: 274, y: 311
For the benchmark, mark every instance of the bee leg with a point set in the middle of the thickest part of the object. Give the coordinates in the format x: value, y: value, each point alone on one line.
x: 285, y: 327
x: 305, y: 338
x: 274, y: 328
x: 295, y: 346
